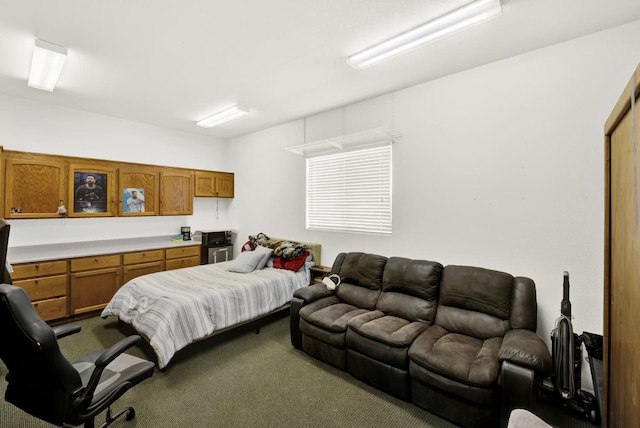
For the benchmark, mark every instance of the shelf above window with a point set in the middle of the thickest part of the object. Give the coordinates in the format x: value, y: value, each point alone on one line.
x: 357, y: 140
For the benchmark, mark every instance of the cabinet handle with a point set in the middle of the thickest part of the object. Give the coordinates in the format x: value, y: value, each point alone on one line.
x: 37, y: 267
x: 37, y: 281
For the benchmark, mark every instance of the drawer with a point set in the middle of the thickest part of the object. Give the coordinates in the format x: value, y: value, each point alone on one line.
x: 174, y: 253
x: 45, y: 287
x: 182, y: 263
x: 97, y: 262
x: 51, y: 309
x: 143, y: 257
x: 29, y: 270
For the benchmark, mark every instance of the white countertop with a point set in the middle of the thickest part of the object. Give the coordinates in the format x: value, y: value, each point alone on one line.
x: 32, y: 253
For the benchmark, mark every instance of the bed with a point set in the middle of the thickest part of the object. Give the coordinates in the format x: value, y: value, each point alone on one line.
x: 175, y: 308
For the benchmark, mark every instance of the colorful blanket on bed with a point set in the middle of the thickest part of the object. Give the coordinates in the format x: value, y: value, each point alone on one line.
x: 178, y: 307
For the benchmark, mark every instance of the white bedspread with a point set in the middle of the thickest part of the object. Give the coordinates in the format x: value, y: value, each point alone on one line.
x: 177, y: 307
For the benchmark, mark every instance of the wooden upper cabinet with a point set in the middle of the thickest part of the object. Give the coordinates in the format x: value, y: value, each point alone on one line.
x: 139, y: 192
x: 34, y: 187
x: 92, y: 190
x: 176, y: 192
x: 214, y: 184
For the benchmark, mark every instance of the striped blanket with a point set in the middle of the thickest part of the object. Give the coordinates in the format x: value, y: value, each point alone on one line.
x: 177, y: 307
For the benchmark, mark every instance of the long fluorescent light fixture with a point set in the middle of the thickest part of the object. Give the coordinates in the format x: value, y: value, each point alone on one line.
x: 223, y: 116
x: 46, y: 65
x: 466, y: 16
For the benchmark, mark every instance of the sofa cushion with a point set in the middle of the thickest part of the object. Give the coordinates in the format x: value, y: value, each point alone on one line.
x: 387, y: 329
x: 475, y: 301
x: 458, y: 357
x: 360, y: 269
x: 418, y: 278
x: 477, y: 289
x: 326, y: 320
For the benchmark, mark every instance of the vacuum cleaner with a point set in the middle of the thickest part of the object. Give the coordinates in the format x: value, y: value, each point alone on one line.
x: 564, y: 384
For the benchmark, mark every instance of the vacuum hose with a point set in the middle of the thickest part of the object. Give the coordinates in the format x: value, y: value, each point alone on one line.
x: 563, y: 346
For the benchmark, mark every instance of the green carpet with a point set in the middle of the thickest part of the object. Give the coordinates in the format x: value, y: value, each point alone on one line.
x: 241, y: 379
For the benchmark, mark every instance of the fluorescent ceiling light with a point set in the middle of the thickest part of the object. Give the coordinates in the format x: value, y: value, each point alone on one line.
x: 46, y: 65
x: 466, y: 16
x: 223, y: 116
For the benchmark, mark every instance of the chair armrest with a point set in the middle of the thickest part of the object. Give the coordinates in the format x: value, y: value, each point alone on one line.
x: 103, y: 361
x: 525, y: 348
x: 312, y: 293
x: 66, y: 330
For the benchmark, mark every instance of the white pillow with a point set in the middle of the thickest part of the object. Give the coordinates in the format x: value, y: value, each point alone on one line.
x: 245, y: 262
x: 266, y: 254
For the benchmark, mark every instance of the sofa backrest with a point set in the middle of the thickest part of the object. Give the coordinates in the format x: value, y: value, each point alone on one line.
x: 410, y: 289
x: 484, y: 303
x: 361, y: 278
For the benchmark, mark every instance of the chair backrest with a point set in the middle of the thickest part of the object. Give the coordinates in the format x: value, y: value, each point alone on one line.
x: 4, y: 243
x: 485, y: 303
x: 361, y: 278
x: 40, y: 381
x: 410, y: 289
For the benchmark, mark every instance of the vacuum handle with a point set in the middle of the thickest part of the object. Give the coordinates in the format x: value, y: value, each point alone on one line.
x: 565, y: 306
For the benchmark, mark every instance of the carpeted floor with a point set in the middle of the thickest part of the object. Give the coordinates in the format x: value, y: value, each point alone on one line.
x: 243, y: 379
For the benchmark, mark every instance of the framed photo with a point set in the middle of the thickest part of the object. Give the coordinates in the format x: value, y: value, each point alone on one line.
x: 91, y: 192
x: 133, y: 200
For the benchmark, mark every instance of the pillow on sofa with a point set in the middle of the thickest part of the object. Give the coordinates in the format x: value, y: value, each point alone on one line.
x: 293, y: 264
x: 266, y: 255
x: 245, y: 262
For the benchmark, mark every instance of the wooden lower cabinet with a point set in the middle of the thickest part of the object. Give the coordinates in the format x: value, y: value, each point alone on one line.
x: 141, y: 263
x: 94, y: 281
x: 64, y: 288
x: 46, y: 286
x: 182, y: 257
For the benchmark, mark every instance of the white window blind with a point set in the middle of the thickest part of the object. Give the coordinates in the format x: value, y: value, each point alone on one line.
x: 350, y: 191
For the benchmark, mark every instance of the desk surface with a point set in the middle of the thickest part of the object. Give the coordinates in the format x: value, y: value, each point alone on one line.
x: 68, y: 250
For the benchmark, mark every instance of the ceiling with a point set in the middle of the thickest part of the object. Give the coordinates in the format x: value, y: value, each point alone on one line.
x: 170, y: 63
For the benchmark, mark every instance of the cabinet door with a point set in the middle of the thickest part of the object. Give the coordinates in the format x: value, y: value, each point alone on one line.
x: 176, y: 193
x: 138, y: 191
x: 205, y: 184
x: 91, y: 290
x: 34, y: 188
x: 214, y: 184
x: 92, y: 191
x: 224, y: 185
x: 133, y: 271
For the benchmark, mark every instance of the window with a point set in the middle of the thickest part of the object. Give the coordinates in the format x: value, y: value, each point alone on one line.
x: 350, y: 191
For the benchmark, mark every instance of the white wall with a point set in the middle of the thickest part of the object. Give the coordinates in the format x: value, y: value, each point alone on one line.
x: 41, y: 128
x: 500, y: 166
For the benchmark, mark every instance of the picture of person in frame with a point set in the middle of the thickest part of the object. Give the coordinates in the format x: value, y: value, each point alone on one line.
x: 133, y: 200
x: 90, y: 193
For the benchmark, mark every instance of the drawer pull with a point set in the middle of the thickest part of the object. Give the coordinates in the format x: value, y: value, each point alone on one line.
x: 37, y: 267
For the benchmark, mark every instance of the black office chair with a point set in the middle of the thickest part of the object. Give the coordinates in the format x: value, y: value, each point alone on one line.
x: 44, y: 384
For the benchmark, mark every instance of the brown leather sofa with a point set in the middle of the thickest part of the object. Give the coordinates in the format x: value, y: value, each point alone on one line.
x: 459, y: 341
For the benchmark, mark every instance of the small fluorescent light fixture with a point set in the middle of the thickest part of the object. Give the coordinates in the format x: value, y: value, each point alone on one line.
x: 46, y: 65
x: 466, y: 16
x: 223, y: 116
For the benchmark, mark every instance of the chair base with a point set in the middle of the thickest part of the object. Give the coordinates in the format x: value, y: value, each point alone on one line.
x: 129, y: 411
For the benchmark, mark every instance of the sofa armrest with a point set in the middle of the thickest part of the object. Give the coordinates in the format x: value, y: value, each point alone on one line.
x: 312, y: 293
x: 525, y: 348
x: 301, y: 297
